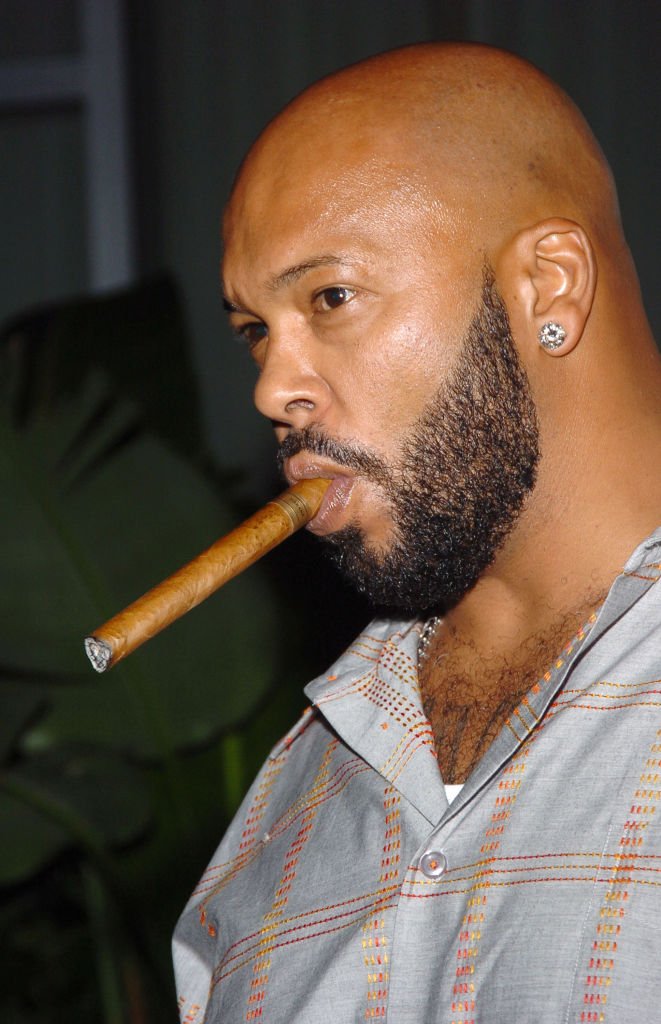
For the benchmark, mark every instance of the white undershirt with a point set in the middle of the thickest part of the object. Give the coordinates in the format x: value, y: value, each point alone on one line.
x: 452, y: 791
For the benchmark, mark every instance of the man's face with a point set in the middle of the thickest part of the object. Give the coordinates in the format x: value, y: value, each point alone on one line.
x: 460, y: 482
x: 357, y: 299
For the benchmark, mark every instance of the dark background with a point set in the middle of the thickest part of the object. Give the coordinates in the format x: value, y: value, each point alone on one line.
x: 201, y: 78
x: 207, y: 77
x: 121, y: 127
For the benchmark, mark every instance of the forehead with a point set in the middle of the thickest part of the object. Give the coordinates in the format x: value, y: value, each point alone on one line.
x: 283, y: 210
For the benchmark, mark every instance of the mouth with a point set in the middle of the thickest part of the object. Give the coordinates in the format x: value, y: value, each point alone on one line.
x: 334, y: 511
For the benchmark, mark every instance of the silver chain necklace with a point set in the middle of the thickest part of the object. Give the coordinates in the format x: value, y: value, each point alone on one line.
x: 426, y: 636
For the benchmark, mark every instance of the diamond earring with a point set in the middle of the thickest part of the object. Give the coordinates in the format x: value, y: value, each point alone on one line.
x: 551, y: 335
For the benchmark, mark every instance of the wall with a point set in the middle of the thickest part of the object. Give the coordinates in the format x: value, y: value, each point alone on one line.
x: 209, y: 76
x: 205, y: 75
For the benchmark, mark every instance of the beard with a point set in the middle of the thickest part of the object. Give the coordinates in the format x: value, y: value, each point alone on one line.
x: 460, y: 482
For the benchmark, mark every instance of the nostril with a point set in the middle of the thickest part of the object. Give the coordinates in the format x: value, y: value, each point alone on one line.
x: 299, y: 403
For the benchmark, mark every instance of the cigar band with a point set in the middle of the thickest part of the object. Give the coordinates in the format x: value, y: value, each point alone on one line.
x: 296, y: 508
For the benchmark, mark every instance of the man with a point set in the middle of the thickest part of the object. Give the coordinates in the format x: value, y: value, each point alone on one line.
x: 425, y: 257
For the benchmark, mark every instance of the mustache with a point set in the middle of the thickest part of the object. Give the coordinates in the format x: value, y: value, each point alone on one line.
x: 344, y: 453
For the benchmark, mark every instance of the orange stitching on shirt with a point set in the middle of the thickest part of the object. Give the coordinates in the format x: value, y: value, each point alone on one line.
x: 475, y: 916
x: 402, y: 754
x: 426, y: 743
x: 361, y: 913
x: 289, y: 942
x: 378, y: 898
x: 294, y: 810
x: 485, y: 878
x: 247, y: 849
x: 212, y: 884
x: 573, y: 706
x: 646, y: 565
x: 615, y: 686
x: 598, y: 972
x: 351, y: 686
x: 260, y: 803
x: 193, y: 1011
x: 546, y: 678
x: 262, y: 963
x: 374, y: 941
x: 337, y: 783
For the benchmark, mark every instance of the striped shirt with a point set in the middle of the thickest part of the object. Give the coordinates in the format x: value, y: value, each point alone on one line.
x: 349, y: 889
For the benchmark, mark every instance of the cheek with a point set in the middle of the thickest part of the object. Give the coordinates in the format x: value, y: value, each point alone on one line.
x: 394, y: 376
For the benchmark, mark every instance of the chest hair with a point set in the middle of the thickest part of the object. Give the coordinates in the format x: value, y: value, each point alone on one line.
x: 468, y: 695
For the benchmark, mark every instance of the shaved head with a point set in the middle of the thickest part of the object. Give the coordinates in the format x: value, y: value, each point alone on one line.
x: 490, y: 140
x: 358, y: 235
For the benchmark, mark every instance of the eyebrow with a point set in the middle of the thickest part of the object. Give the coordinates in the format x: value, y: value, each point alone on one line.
x: 292, y: 274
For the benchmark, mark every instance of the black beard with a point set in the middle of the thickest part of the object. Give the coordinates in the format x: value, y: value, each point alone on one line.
x: 460, y: 484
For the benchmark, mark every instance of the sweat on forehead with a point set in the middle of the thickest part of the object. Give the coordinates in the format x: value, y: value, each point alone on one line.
x: 488, y: 133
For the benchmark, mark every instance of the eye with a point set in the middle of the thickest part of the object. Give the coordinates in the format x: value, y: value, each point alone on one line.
x: 252, y: 332
x: 331, y: 298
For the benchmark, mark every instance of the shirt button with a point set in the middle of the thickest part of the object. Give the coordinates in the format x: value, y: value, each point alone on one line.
x: 433, y: 863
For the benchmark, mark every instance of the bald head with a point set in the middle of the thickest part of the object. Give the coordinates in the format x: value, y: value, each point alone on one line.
x: 357, y: 238
x: 489, y: 141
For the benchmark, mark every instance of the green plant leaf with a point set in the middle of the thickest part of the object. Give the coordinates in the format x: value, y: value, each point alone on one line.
x: 21, y: 702
x: 67, y: 799
x: 95, y: 510
x: 80, y: 541
x: 136, y: 336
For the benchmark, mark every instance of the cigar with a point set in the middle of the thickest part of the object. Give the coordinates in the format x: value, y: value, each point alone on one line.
x: 195, y: 581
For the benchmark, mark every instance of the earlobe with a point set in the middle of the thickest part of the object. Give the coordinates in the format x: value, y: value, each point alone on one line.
x: 557, y: 279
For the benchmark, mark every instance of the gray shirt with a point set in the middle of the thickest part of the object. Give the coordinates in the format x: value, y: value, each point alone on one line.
x: 347, y: 889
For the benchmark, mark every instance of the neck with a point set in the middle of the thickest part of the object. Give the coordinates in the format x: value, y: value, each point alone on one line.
x: 598, y: 495
x: 468, y: 695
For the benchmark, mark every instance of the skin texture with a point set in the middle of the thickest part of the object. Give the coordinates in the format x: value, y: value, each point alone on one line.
x: 463, y: 475
x: 355, y: 244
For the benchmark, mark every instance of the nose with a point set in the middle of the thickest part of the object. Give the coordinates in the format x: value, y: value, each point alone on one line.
x: 289, y: 391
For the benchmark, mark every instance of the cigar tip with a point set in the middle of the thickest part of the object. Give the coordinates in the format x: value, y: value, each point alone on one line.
x: 98, y: 652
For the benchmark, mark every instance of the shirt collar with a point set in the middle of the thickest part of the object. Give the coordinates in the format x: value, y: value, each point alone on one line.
x: 370, y: 696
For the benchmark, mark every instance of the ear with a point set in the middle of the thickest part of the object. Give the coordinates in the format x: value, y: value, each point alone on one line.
x: 552, y: 275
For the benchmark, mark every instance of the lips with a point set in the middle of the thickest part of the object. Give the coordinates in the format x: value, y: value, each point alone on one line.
x: 333, y: 511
